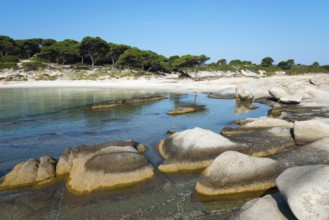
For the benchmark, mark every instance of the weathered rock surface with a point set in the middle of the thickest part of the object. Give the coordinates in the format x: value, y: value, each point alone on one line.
x: 136, y: 100
x: 255, y: 123
x: 291, y: 99
x: 194, y: 149
x: 106, y: 165
x: 310, y: 154
x: 266, y: 141
x: 311, y: 130
x: 306, y: 190
x: 269, y: 207
x: 277, y: 93
x: 226, y: 94
x: 242, y: 94
x: 30, y: 173
x: 186, y: 110
x: 236, y: 173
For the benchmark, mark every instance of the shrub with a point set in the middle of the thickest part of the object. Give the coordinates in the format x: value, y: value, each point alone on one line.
x: 7, y: 65
x: 33, y: 65
x: 9, y: 59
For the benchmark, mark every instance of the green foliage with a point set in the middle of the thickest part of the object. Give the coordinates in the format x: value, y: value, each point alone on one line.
x: 47, y: 42
x: 189, y: 61
x: 115, y: 51
x: 29, y: 47
x: 221, y: 62
x: 96, y: 48
x: 8, y: 65
x: 33, y: 65
x: 7, y: 46
x: 9, y: 58
x: 267, y: 62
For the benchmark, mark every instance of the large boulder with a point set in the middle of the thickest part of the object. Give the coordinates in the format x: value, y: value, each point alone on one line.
x: 109, y: 165
x: 30, y: 173
x: 236, y: 173
x: 306, y: 190
x: 269, y: 207
x: 242, y: 94
x: 311, y: 130
x: 277, y: 93
x: 291, y: 99
x: 194, y: 149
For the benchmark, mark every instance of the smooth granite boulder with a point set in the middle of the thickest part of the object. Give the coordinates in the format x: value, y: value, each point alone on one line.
x: 194, y: 149
x: 269, y: 207
x: 291, y: 99
x: 109, y: 165
x: 30, y: 173
x: 306, y: 190
x: 277, y: 93
x: 242, y: 94
x: 311, y: 130
x: 236, y: 173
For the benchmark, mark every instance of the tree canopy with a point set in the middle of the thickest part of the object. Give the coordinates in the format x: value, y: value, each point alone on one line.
x: 96, y: 48
x: 267, y: 62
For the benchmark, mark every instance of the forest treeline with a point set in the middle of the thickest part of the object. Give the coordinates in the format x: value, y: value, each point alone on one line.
x: 93, y: 51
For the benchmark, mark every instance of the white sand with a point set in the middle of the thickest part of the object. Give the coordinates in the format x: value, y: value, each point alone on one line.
x: 315, y: 95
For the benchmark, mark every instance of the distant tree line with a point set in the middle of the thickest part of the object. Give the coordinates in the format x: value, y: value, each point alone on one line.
x: 96, y: 51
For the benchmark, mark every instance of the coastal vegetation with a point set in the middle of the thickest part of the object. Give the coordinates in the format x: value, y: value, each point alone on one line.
x: 117, y: 58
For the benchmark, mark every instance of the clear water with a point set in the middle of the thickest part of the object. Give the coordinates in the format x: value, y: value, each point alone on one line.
x: 44, y: 121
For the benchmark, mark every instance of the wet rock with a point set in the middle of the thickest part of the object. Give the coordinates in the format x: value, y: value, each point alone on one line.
x: 311, y: 130
x: 266, y: 141
x: 236, y: 173
x: 306, y: 190
x: 186, y: 110
x: 243, y: 95
x: 30, y: 173
x: 101, y: 107
x: 269, y: 207
x: 277, y: 93
x: 194, y: 149
x: 109, y: 165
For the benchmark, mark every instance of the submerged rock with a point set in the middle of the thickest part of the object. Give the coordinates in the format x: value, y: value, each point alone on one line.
x: 30, y: 173
x: 136, y: 100
x: 194, y: 149
x: 306, y: 190
x: 269, y: 207
x: 108, y: 165
x: 311, y: 130
x: 186, y: 110
x: 236, y: 173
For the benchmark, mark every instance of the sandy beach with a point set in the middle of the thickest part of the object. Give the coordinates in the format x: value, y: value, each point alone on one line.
x: 315, y: 93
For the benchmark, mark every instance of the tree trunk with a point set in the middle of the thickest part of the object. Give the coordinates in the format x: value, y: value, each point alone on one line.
x: 81, y: 59
x: 63, y: 62
x: 29, y: 55
x: 92, y: 60
x: 1, y: 53
x: 112, y: 66
x: 149, y: 69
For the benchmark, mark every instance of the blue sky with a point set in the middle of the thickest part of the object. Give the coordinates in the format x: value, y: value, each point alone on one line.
x: 231, y: 29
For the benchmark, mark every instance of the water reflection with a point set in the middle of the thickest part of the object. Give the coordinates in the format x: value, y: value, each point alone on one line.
x: 244, y: 106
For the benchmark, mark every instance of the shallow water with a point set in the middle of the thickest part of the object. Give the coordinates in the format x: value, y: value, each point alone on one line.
x: 39, y: 121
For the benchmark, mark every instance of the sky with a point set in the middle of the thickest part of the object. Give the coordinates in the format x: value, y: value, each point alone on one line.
x: 231, y: 29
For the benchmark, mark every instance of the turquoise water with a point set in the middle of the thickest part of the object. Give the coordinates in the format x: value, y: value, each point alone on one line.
x: 44, y: 121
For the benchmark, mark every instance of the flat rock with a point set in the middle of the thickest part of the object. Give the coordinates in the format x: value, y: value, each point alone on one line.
x: 236, y: 173
x: 306, y: 190
x: 255, y: 123
x: 186, y: 110
x: 194, y: 149
x: 109, y: 165
x: 266, y: 141
x: 311, y: 130
x: 269, y: 207
x: 222, y: 95
x: 30, y: 173
x: 291, y: 99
